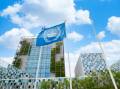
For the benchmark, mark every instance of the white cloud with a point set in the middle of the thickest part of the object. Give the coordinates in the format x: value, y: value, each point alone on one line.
x: 5, y: 61
x: 113, y: 25
x: 11, y: 38
x: 11, y: 10
x: 75, y: 36
x: 44, y: 12
x: 83, y: 17
x: 101, y: 35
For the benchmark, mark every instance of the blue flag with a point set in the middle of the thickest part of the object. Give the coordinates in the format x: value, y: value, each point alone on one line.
x: 51, y: 35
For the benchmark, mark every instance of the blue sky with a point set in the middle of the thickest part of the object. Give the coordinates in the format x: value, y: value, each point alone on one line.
x: 100, y: 11
x: 25, y: 18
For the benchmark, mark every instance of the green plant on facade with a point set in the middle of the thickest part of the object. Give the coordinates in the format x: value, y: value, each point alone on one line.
x: 25, y: 47
x: 52, y: 66
x: 17, y: 62
x: 57, y: 67
x: 24, y: 50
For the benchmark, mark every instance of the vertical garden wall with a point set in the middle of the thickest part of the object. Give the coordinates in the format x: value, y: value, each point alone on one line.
x: 57, y: 65
x: 24, y: 50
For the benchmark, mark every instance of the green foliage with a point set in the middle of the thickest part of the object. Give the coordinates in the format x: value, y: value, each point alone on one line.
x: 57, y: 67
x: 58, y: 45
x: 117, y: 78
x: 90, y: 82
x: 51, y: 84
x: 52, y: 66
x: 66, y: 84
x: 57, y: 49
x: 24, y: 50
x: 25, y: 46
x: 94, y: 81
x: 45, y: 84
x: 17, y: 62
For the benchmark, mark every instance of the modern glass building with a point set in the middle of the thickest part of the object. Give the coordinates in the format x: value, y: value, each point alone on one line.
x: 46, y: 61
x: 89, y: 63
x: 49, y: 58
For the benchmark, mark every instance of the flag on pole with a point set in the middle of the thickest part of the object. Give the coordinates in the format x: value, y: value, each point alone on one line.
x: 51, y: 35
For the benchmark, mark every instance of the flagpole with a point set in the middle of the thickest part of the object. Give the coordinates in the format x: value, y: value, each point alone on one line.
x: 38, y: 65
x: 110, y: 73
x: 69, y: 71
x: 113, y: 80
x: 69, y: 66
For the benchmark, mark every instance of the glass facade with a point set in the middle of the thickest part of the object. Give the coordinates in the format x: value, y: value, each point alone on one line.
x: 50, y: 58
x: 33, y: 58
